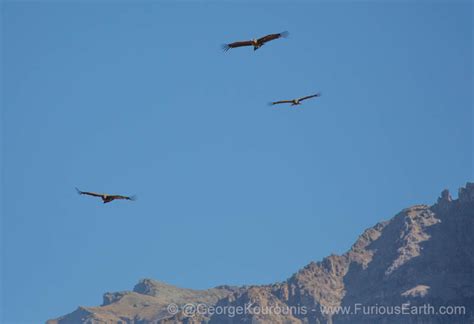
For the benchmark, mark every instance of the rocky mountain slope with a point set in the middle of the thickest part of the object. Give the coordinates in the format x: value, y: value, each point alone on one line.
x: 417, y: 267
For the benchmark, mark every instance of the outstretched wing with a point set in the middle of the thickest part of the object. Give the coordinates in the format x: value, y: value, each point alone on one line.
x: 89, y: 193
x: 227, y: 47
x: 113, y: 197
x: 271, y: 37
x: 311, y: 96
x: 280, y: 102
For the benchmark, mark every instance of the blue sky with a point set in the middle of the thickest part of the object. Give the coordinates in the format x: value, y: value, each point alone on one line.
x: 140, y: 99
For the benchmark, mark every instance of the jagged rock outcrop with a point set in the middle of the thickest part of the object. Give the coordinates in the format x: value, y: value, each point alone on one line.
x: 147, y: 303
x: 422, y: 256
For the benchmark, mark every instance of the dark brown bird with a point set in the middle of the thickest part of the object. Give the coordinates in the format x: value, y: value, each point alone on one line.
x: 105, y: 197
x: 256, y: 42
x: 295, y: 102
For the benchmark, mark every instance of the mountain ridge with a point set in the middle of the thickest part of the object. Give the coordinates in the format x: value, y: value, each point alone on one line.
x: 422, y: 255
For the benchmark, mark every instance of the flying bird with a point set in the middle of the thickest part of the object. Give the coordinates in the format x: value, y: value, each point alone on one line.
x: 105, y: 197
x: 295, y: 102
x: 256, y: 42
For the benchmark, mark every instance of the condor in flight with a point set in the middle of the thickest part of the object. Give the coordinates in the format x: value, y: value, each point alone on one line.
x: 256, y: 43
x: 295, y: 102
x: 105, y: 197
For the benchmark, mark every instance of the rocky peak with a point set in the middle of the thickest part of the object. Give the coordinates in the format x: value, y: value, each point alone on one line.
x: 466, y: 194
x: 444, y: 202
x: 152, y: 287
x: 445, y: 197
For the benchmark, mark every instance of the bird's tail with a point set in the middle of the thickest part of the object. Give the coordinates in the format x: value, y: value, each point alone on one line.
x: 132, y: 198
x: 284, y: 34
x: 225, y: 47
x: 78, y: 191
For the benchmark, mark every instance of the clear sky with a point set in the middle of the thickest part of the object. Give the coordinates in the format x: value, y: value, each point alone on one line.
x: 140, y: 99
